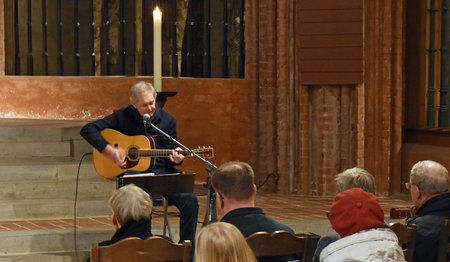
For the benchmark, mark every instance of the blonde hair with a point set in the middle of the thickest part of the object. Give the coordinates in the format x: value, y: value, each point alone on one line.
x: 139, y: 89
x: 355, y: 177
x: 130, y: 202
x: 222, y: 242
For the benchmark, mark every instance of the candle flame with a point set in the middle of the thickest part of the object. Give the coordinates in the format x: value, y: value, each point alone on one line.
x: 157, y: 13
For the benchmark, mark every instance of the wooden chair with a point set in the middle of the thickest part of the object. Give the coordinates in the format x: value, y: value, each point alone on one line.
x: 134, y: 249
x: 406, y: 237
x: 279, y: 243
x: 444, y: 246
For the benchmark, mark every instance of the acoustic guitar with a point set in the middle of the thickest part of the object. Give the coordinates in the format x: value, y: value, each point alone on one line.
x: 140, y: 153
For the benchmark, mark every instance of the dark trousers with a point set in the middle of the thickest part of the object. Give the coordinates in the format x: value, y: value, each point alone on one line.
x: 187, y: 204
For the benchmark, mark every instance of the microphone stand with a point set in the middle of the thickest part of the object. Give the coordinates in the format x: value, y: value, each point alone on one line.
x: 211, y: 215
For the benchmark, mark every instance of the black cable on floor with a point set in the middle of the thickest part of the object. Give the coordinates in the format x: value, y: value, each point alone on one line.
x: 267, y: 178
x: 75, y: 208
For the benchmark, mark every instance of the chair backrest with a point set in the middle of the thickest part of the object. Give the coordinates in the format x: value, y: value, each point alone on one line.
x: 444, y: 246
x: 406, y: 237
x: 134, y: 249
x: 279, y: 243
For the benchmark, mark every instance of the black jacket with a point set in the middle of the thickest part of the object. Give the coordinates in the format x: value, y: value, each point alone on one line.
x: 251, y: 220
x: 428, y: 219
x: 128, y: 121
x: 132, y: 228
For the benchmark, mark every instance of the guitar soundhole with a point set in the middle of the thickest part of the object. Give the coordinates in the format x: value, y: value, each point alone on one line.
x: 133, y: 153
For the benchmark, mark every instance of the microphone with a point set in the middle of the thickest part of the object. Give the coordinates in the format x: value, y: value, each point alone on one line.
x: 146, y: 118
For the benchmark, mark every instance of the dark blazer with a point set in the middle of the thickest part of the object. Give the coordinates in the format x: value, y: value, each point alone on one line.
x: 128, y: 121
x: 428, y: 219
x: 132, y: 228
x: 251, y: 220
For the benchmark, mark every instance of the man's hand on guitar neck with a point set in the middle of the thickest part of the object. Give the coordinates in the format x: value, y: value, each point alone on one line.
x: 176, y: 156
x: 117, y: 154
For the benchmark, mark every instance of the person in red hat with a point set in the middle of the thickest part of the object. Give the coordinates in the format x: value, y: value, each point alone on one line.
x: 351, y: 178
x: 358, y: 218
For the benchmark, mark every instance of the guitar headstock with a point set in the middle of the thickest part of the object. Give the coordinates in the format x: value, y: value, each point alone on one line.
x: 206, y: 152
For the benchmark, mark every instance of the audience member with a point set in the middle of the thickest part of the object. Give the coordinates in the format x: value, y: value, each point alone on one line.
x: 429, y: 184
x: 236, y: 193
x: 351, y: 178
x: 358, y: 218
x: 131, y: 209
x: 222, y: 242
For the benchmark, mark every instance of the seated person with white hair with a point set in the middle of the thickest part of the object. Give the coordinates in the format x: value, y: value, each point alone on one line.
x: 358, y: 218
x: 428, y: 183
x: 131, y: 209
x: 351, y: 178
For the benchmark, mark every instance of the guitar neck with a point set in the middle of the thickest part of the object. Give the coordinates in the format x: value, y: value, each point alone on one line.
x: 160, y: 152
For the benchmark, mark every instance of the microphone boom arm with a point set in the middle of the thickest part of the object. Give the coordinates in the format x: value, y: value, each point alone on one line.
x: 211, y: 215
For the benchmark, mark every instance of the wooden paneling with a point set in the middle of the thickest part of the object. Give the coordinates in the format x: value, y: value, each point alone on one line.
x: 333, y: 78
x: 203, y: 119
x: 383, y: 81
x: 53, y: 60
x: 326, y: 66
x: 209, y: 112
x: 335, y: 27
x: 352, y: 42
x: 217, y: 36
x: 416, y: 64
x: 330, y: 28
x: 37, y: 35
x: 68, y: 38
x: 414, y: 152
x: 129, y: 44
x: 331, y: 53
x: 2, y: 38
x: 331, y: 15
x: 437, y: 137
x: 326, y: 4
x: 147, y: 48
x: 332, y: 135
x: 23, y: 33
x: 86, y: 37
x: 8, y: 37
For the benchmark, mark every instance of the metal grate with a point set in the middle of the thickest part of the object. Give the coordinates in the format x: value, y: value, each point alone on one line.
x: 65, y: 40
x: 438, y: 65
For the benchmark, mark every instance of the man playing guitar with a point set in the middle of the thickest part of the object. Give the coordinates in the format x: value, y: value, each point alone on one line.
x: 130, y: 121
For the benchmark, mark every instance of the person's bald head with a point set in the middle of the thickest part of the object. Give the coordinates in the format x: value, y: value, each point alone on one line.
x: 431, y: 177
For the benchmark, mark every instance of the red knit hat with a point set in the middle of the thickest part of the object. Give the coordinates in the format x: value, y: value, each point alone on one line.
x: 354, y: 210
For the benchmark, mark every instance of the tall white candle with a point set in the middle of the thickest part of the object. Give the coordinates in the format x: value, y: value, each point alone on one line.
x: 157, y: 49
